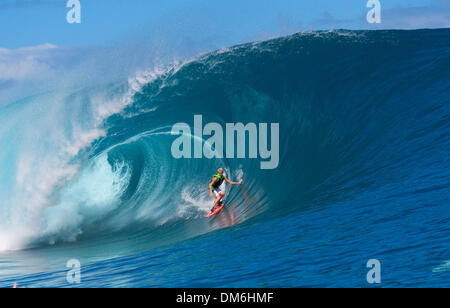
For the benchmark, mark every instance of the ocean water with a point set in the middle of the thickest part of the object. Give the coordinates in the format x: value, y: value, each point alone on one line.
x: 364, y: 170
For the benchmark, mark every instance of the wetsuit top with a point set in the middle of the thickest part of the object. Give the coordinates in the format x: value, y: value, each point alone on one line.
x: 220, y: 179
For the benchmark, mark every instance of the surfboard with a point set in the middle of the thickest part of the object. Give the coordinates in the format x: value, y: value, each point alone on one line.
x: 216, y: 211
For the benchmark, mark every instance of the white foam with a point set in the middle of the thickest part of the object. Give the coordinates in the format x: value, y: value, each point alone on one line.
x: 203, y: 202
x: 444, y: 267
x: 95, y: 193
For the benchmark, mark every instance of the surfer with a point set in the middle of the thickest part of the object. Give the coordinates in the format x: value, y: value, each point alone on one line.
x: 214, y: 187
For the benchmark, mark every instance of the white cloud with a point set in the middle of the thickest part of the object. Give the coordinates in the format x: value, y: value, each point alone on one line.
x: 25, y: 63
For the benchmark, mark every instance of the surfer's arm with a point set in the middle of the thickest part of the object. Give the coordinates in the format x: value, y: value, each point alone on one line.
x: 233, y: 183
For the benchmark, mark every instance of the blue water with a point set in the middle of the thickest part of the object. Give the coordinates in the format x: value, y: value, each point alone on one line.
x: 364, y: 170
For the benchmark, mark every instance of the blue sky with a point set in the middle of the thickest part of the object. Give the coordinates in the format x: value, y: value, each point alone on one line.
x: 104, y: 22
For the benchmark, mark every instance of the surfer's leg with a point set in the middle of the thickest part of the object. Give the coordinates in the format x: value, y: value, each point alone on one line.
x: 219, y: 195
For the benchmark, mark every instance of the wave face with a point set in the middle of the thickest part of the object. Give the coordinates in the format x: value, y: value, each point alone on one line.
x: 364, y: 136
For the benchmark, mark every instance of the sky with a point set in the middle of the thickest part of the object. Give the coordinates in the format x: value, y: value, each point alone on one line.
x: 104, y: 22
x: 37, y: 42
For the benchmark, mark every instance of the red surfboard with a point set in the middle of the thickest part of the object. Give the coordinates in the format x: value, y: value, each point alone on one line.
x: 216, y: 211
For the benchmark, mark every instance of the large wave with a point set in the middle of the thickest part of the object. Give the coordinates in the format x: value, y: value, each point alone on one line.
x: 358, y: 110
